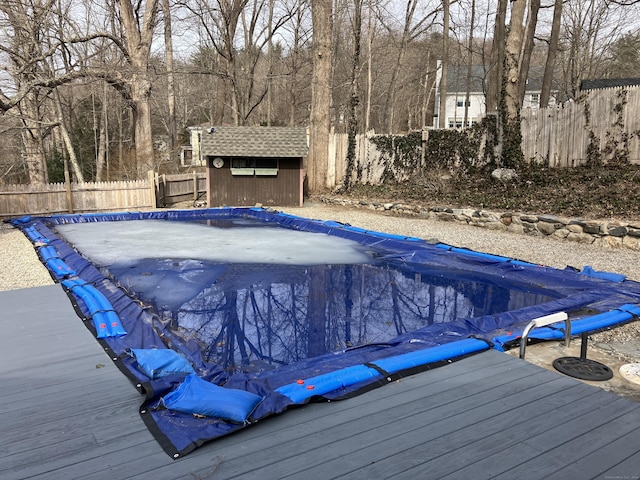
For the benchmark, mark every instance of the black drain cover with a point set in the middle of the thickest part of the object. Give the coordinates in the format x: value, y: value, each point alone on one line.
x: 583, y: 368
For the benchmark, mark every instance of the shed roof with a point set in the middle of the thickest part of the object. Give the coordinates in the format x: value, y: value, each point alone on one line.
x: 608, y: 83
x: 279, y: 142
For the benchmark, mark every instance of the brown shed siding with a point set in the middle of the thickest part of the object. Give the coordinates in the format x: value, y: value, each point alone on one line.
x: 284, y: 189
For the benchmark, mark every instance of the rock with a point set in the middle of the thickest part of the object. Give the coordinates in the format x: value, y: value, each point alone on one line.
x: 548, y: 228
x: 580, y: 238
x: 592, y: 227
x: 561, y: 233
x: 554, y: 219
x: 505, y: 175
x: 515, y: 228
x: 616, y: 230
x: 632, y: 243
x: 612, y: 242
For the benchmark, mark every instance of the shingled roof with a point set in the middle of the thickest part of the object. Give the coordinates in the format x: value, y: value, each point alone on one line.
x: 608, y: 83
x: 270, y: 142
x: 457, y: 79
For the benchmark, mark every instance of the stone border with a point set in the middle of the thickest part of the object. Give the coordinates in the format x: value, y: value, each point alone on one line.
x: 606, y: 234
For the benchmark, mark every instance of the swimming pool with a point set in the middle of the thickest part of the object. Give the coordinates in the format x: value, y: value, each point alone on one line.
x: 291, y: 309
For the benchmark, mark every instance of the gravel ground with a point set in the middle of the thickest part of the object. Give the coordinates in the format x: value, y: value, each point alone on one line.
x: 19, y: 263
x: 21, y: 268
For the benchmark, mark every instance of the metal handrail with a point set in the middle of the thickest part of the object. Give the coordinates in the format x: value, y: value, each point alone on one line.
x: 543, y: 322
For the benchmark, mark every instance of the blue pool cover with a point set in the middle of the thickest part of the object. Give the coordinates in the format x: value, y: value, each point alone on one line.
x: 199, y: 339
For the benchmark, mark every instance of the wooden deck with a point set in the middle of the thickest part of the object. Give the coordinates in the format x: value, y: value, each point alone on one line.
x: 67, y: 412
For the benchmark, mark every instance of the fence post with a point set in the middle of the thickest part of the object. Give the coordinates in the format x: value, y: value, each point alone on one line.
x: 195, y: 186
x: 152, y: 188
x: 67, y: 187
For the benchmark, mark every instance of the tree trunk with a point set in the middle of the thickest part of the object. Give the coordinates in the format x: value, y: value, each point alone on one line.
x: 442, y: 114
x: 32, y: 139
x: 467, y: 97
x: 101, y: 160
x: 551, y: 55
x: 64, y: 132
x: 530, y: 30
x: 496, y: 68
x: 370, y: 37
x: 404, y: 41
x: 354, y: 100
x: 141, y: 92
x: 318, y: 160
x: 139, y: 39
x: 168, y: 57
x: 513, y: 50
x: 270, y: 64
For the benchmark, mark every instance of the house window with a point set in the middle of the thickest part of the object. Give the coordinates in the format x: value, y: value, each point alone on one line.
x: 535, y: 99
x: 459, y: 123
x: 461, y: 102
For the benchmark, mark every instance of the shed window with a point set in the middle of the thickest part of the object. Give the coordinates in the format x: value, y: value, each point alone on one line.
x: 254, y: 166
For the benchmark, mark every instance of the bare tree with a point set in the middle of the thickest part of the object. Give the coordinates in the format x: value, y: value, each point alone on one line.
x: 467, y: 96
x: 590, y: 28
x: 168, y: 57
x: 442, y: 114
x: 297, y: 66
x: 513, y: 50
x: 371, y: 33
x: 139, y: 22
x: 496, y: 66
x: 550, y: 64
x: 239, y: 34
x: 26, y: 26
x: 319, y: 121
x: 354, y: 97
x: 412, y: 27
x: 527, y: 48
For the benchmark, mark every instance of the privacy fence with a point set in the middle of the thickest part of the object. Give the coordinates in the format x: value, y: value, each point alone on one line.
x: 604, y: 125
x: 86, y: 197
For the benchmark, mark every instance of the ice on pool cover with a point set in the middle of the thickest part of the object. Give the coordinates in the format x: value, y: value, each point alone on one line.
x: 117, y: 243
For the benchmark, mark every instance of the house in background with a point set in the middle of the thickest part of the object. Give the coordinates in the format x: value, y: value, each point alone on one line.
x: 476, y: 104
x: 250, y: 165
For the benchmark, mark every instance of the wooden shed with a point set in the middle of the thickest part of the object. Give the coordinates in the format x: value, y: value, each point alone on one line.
x: 250, y: 165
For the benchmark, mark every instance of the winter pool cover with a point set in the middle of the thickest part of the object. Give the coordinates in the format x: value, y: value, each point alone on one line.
x: 223, y: 317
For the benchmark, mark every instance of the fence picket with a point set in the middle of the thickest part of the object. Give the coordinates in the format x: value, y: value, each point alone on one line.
x: 613, y: 124
x: 51, y: 198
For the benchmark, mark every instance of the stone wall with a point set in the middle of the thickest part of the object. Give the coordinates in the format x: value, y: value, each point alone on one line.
x: 607, y: 234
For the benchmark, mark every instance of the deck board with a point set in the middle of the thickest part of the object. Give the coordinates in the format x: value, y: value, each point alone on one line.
x: 67, y: 412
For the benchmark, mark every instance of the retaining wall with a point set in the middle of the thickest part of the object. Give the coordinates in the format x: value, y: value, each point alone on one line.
x: 604, y: 233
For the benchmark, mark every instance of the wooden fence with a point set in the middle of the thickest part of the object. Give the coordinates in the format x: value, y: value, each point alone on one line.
x: 604, y: 124
x: 367, y: 159
x: 173, y: 189
x: 48, y: 199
